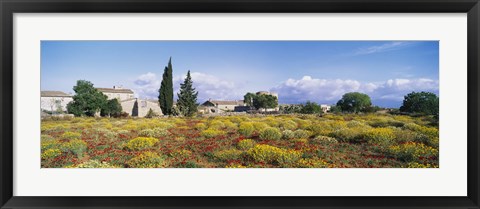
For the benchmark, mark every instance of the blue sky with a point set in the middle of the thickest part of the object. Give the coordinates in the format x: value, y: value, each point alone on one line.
x: 320, y: 71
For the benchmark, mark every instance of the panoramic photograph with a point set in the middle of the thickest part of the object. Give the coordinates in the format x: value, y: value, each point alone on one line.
x: 239, y: 104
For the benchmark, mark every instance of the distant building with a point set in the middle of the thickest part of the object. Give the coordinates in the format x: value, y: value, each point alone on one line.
x: 117, y: 92
x: 54, y: 100
x: 144, y: 106
x: 127, y: 100
x: 325, y: 108
x: 223, y: 105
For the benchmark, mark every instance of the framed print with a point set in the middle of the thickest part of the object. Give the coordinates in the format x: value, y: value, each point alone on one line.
x: 161, y: 104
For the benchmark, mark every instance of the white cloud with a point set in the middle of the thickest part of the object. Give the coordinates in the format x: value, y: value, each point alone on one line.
x: 146, y: 86
x: 330, y: 91
x: 210, y: 86
x: 382, y: 48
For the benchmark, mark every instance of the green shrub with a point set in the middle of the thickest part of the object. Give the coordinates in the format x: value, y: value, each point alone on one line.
x: 200, y: 126
x: 140, y: 143
x: 211, y: 133
x: 147, y: 160
x: 301, y: 134
x: 246, y: 129
x: 71, y: 135
x: 156, y: 132
x: 324, y: 140
x: 246, y: 144
x: 288, y: 125
x: 51, y: 153
x: 229, y: 154
x: 94, y: 164
x: 271, y: 134
x: 270, y: 154
x: 288, y: 134
x: 76, y: 146
x: 412, y: 151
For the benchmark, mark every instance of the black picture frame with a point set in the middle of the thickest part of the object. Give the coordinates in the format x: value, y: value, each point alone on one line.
x: 9, y: 7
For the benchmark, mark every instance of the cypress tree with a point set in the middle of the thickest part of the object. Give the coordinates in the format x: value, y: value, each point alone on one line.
x: 187, y: 97
x: 135, y: 109
x: 165, y: 97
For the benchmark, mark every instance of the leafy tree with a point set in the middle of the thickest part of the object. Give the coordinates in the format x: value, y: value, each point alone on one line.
x: 248, y: 99
x: 311, y: 108
x: 165, y: 97
x: 135, y: 109
x: 420, y: 102
x: 187, y: 97
x: 113, y: 108
x: 265, y: 101
x: 87, y: 100
x: 354, y: 102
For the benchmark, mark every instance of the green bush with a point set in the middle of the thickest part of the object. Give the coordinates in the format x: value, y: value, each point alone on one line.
x: 147, y: 160
x: 246, y: 144
x: 230, y: 154
x: 156, y: 132
x: 140, y: 143
x: 211, y: 133
x: 288, y: 134
x: 271, y: 134
x: 301, y: 134
x: 246, y: 129
x: 76, y: 146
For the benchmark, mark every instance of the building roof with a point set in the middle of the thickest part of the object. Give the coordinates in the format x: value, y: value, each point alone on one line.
x: 115, y: 90
x: 225, y: 102
x: 54, y: 94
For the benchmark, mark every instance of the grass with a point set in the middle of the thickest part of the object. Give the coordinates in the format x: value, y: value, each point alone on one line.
x: 281, y: 141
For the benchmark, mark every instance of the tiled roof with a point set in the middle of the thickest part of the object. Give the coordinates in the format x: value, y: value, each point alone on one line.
x: 54, y: 94
x: 112, y: 90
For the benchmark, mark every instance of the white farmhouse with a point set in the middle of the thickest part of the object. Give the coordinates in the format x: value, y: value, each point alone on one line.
x: 325, y: 108
x: 53, y: 101
x: 117, y: 92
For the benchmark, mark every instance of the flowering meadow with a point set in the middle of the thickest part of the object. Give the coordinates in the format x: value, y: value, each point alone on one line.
x: 276, y: 141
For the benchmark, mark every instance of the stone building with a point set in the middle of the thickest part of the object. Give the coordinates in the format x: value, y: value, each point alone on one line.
x: 117, y: 92
x: 144, y: 105
x: 223, y: 105
x: 53, y: 101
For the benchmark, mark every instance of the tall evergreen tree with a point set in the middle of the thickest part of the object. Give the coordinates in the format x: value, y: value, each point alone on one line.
x: 187, y: 98
x: 165, y: 97
x: 135, y: 109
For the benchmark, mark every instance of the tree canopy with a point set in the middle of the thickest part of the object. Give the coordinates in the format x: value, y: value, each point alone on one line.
x: 248, y: 99
x: 165, y: 97
x: 311, y: 108
x: 354, y: 102
x: 265, y: 101
x: 187, y: 97
x: 421, y: 102
x: 112, y: 108
x: 87, y: 100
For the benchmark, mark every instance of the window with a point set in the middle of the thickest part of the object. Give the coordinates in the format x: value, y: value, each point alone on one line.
x: 143, y: 103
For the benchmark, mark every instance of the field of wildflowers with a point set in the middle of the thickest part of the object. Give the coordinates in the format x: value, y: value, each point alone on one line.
x: 280, y: 141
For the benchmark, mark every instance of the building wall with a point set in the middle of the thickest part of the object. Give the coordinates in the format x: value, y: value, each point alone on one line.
x: 119, y: 96
x: 143, y: 107
x: 48, y: 103
x: 226, y: 107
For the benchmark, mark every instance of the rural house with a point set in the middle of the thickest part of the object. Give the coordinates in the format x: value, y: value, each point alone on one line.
x: 53, y: 101
x: 224, y: 105
x: 117, y: 92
